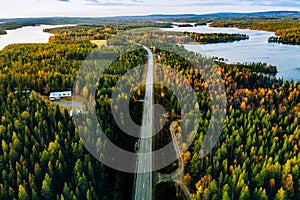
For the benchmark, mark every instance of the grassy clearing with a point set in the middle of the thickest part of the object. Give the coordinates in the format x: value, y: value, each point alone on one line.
x: 99, y: 43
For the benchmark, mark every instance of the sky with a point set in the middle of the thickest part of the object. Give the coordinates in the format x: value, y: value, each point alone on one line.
x: 102, y: 8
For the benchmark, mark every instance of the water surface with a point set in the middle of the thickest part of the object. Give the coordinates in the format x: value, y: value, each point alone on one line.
x: 256, y: 49
x: 27, y: 34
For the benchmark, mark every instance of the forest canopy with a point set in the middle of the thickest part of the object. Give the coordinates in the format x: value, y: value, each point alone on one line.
x: 43, y: 157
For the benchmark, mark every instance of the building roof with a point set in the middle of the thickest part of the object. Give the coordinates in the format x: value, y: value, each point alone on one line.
x: 57, y: 94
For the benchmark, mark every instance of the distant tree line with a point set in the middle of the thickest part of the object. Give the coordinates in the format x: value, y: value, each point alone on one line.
x: 287, y: 31
x: 209, y: 38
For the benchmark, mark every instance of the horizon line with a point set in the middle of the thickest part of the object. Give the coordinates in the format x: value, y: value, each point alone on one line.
x: 152, y: 14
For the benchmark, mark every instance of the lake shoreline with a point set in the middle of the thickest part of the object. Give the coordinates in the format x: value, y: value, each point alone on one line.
x: 28, y: 34
x: 256, y: 49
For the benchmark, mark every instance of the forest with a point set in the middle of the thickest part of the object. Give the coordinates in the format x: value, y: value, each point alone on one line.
x: 43, y: 157
x: 257, y: 154
x: 210, y: 38
x: 100, y: 31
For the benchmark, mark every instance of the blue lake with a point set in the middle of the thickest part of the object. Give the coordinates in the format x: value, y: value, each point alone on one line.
x: 256, y: 49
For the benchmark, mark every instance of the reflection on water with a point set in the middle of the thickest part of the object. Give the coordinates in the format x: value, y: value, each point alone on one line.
x: 256, y: 49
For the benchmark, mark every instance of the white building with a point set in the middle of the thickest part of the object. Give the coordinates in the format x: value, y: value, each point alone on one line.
x: 54, y: 96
